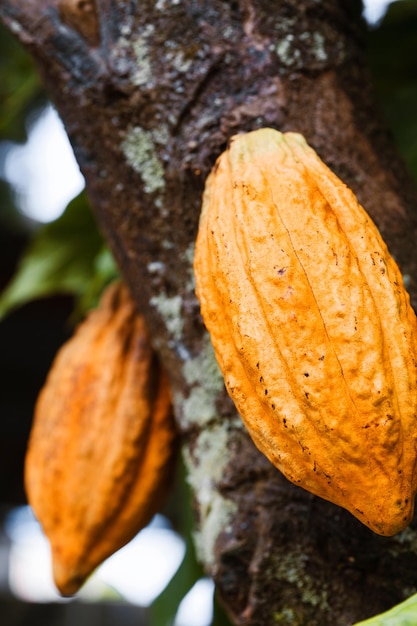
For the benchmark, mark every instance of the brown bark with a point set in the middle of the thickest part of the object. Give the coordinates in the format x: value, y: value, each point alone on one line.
x: 150, y: 92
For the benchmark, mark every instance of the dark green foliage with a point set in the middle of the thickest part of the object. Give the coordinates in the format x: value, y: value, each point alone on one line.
x: 164, y: 608
x: 404, y: 614
x: 393, y: 64
x: 65, y: 256
x: 21, y: 91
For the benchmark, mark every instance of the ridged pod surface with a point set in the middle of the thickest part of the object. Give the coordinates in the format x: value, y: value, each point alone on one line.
x: 102, y: 445
x: 311, y: 325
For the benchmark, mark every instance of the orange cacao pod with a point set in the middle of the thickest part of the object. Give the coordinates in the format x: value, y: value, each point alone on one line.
x: 311, y: 325
x: 103, y: 440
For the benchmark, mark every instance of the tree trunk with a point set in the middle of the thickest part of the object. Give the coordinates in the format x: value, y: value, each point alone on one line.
x: 149, y: 93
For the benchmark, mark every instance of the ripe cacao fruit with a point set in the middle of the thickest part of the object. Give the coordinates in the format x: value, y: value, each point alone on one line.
x: 102, y: 445
x: 312, y: 326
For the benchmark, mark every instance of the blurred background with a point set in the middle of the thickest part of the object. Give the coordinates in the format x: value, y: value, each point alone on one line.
x: 53, y: 267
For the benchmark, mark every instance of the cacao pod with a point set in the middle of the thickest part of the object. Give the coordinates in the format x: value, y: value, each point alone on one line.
x: 102, y: 444
x: 312, y: 326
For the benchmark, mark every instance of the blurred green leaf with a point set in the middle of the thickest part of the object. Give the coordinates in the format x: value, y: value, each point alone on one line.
x: 164, y: 608
x: 11, y: 220
x: 104, y: 271
x: 21, y: 91
x: 393, y: 62
x: 404, y: 614
x: 65, y: 256
x: 219, y: 616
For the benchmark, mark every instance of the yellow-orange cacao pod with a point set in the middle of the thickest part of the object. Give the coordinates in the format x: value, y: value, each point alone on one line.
x: 312, y: 326
x: 103, y: 440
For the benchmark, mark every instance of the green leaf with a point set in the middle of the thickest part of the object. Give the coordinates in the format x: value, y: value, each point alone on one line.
x: 21, y: 91
x: 404, y: 614
x: 67, y: 256
x: 104, y: 272
x: 219, y: 616
x: 165, y: 606
x: 392, y: 52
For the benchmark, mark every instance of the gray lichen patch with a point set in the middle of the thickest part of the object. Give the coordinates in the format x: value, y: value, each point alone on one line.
x: 209, y: 457
x: 161, y: 5
x: 143, y: 73
x: 189, y: 258
x: 139, y: 150
x: 404, y: 542
x: 204, y: 369
x: 15, y: 27
x: 319, y: 49
x: 206, y: 466
x: 176, y: 58
x: 287, y: 617
x: 196, y: 405
x: 206, y: 382
x: 291, y: 567
x: 295, y: 50
x: 189, y: 253
x: 287, y: 51
x: 140, y: 48
x: 181, y: 63
x: 170, y: 311
x: 156, y: 267
x: 131, y: 54
x: 160, y: 134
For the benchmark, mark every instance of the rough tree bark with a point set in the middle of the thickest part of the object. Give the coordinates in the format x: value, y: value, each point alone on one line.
x: 149, y: 93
